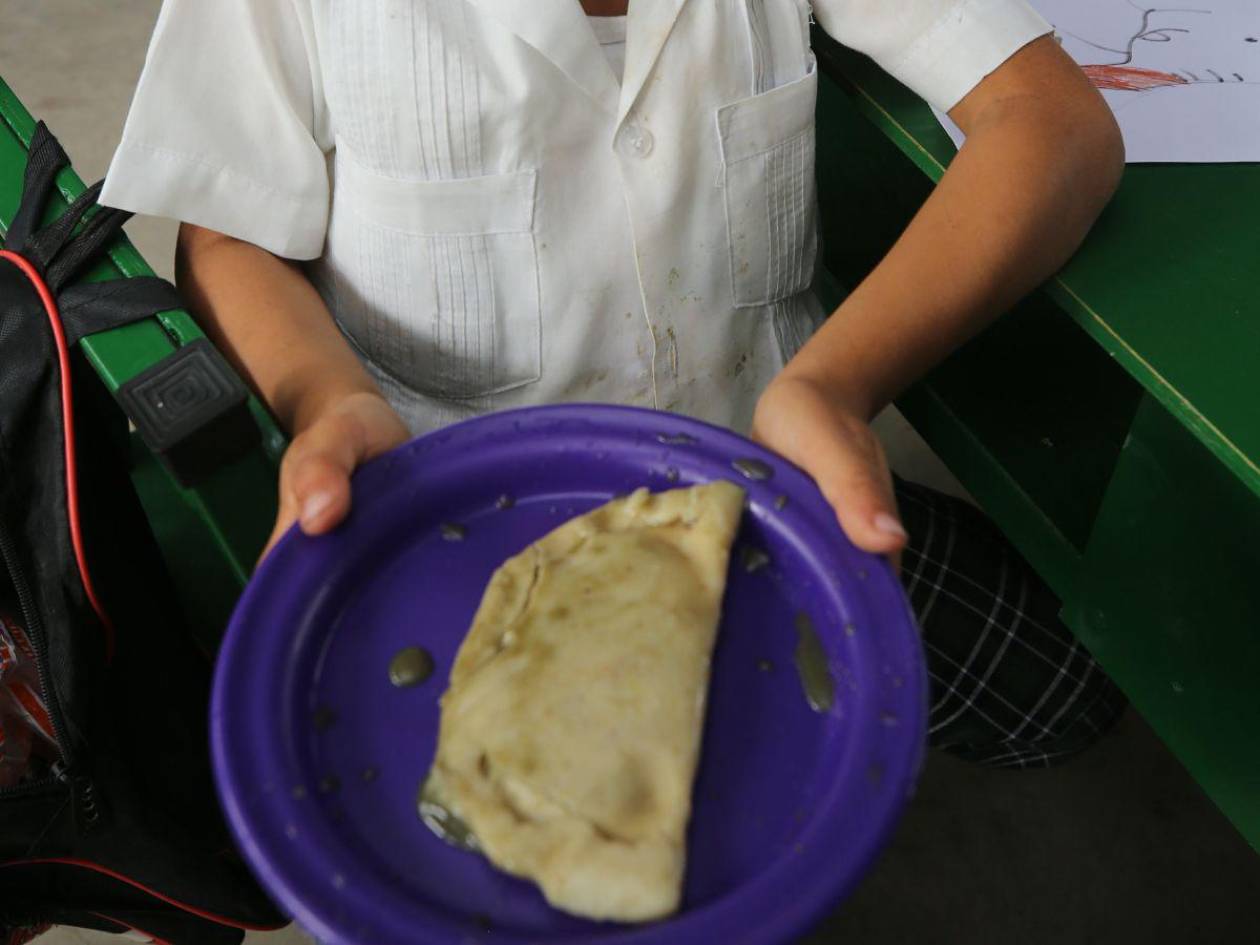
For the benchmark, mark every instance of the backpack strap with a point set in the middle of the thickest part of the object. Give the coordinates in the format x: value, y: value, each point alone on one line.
x: 93, y: 307
x: 83, y: 247
x: 43, y: 244
x: 56, y: 251
x: 209, y: 423
x: 45, y: 159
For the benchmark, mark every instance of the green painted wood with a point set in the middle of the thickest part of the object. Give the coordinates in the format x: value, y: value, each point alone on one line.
x: 1031, y: 414
x: 1132, y: 369
x: 978, y: 464
x: 206, y: 585
x: 1169, y: 602
x: 1165, y: 283
x: 225, y: 520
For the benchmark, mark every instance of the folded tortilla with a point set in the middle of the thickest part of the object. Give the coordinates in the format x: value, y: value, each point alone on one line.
x: 570, y: 732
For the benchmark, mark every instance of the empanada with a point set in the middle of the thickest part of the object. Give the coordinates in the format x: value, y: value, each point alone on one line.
x: 570, y: 732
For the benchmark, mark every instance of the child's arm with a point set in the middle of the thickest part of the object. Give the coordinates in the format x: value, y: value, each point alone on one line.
x: 1043, y: 155
x: 265, y: 315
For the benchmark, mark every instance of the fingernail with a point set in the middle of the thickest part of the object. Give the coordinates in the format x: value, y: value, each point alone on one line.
x: 888, y: 525
x: 313, y: 506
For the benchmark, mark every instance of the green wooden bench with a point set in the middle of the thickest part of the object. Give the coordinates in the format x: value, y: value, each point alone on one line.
x: 210, y: 535
x: 1110, y: 424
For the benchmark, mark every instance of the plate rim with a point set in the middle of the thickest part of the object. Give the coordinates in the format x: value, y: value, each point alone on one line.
x: 309, y: 901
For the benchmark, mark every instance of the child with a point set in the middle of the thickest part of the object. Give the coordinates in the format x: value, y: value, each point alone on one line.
x: 399, y: 213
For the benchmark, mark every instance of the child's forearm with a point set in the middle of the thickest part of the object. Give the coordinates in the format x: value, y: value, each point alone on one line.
x: 1042, y: 157
x: 266, y: 317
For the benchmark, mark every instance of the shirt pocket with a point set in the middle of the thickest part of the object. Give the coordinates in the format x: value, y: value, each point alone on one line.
x: 767, y: 178
x: 437, y: 280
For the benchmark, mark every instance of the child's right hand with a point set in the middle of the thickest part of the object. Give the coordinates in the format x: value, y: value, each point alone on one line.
x: 315, y: 471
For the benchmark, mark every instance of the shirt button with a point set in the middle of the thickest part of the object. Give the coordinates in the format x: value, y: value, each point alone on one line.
x: 634, y: 140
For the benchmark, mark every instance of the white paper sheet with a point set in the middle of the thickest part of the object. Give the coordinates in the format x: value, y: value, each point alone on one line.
x: 1183, y: 80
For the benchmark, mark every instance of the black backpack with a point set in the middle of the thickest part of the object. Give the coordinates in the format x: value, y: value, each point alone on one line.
x: 109, y: 818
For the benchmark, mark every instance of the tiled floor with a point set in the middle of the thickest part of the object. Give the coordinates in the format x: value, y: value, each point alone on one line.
x: 1118, y: 847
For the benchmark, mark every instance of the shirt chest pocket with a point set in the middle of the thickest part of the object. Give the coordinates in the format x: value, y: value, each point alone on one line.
x: 437, y: 280
x: 767, y: 178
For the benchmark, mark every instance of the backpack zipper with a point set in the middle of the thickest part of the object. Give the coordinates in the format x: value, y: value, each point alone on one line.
x: 82, y: 788
x: 35, y: 630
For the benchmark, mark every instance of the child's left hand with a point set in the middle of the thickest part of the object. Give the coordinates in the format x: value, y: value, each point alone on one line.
x: 810, y: 424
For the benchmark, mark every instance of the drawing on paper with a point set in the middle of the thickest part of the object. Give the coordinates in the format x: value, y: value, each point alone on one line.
x: 1183, y: 81
x: 1152, y: 25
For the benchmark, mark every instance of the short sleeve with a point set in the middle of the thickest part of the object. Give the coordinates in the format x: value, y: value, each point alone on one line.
x: 227, y: 127
x: 941, y: 49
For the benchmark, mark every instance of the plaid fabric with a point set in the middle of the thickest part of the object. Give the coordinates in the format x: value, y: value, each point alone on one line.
x: 1011, y: 687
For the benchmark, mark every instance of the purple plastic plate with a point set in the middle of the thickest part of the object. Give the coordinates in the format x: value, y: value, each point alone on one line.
x: 318, y: 757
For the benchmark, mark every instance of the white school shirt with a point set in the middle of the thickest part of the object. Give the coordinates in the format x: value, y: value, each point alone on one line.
x: 610, y: 31
x: 493, y: 216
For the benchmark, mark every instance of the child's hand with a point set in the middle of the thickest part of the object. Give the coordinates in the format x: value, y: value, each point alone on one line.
x: 315, y: 472
x: 809, y: 424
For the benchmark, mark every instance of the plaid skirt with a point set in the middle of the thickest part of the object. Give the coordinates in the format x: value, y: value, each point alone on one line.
x: 1010, y: 686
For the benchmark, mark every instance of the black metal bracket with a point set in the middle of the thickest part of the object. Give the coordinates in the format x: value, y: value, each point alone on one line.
x: 192, y: 411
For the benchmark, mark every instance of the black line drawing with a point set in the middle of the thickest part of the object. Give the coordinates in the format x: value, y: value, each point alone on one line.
x: 1121, y: 75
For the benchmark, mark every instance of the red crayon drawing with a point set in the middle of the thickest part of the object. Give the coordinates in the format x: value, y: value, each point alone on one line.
x: 1130, y: 78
